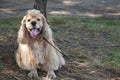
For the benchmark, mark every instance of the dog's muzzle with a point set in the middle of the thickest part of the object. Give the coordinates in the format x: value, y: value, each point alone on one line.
x: 34, y: 31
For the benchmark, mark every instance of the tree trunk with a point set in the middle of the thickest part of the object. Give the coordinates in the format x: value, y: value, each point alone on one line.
x: 41, y: 5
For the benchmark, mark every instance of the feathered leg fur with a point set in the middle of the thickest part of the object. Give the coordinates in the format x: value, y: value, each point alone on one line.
x: 32, y: 52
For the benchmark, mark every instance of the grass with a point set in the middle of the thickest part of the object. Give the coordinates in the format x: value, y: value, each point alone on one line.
x: 11, y: 23
x: 97, y: 39
x: 105, y: 32
x: 113, y: 57
x: 9, y: 26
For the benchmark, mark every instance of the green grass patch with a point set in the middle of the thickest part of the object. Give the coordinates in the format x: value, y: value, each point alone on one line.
x: 57, y: 20
x: 101, y: 24
x: 10, y: 23
x: 10, y: 26
x: 113, y: 57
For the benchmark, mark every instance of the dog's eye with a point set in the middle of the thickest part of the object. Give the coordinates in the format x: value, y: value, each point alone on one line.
x: 38, y: 19
x: 28, y: 20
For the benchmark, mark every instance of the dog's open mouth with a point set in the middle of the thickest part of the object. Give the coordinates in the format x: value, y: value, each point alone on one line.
x: 34, y: 32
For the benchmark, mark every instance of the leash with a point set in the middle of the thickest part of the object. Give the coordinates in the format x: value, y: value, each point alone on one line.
x: 41, y: 32
x: 55, y: 48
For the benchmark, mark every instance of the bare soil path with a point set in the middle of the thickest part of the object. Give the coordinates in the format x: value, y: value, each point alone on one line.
x: 83, y: 8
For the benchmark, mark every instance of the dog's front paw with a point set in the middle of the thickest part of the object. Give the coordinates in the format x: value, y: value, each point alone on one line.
x: 51, y: 74
x: 33, y: 73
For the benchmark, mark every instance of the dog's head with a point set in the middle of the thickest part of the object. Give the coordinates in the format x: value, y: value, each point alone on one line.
x: 34, y: 22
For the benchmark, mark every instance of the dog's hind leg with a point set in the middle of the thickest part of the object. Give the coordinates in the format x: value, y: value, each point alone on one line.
x: 33, y: 73
x: 51, y: 74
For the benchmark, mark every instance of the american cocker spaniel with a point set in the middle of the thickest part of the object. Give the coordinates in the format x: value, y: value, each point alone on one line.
x: 34, y: 52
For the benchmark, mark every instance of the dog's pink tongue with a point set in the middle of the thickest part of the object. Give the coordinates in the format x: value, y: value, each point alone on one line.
x: 34, y: 33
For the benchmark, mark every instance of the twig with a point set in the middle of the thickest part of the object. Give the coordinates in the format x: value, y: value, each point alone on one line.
x: 16, y: 77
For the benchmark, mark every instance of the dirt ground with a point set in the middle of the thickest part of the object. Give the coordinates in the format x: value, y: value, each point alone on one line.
x: 82, y: 8
x: 81, y: 68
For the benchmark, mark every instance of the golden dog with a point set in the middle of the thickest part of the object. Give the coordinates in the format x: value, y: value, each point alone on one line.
x: 33, y: 52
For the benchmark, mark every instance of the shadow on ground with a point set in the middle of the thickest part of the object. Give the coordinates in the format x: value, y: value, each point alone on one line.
x: 81, y: 8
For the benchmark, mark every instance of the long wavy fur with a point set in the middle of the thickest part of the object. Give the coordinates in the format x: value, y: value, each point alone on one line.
x: 46, y: 57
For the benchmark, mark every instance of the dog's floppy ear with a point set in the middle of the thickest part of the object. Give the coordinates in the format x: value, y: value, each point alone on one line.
x: 23, y: 20
x: 22, y: 33
x: 44, y: 25
x: 47, y: 32
x: 44, y: 20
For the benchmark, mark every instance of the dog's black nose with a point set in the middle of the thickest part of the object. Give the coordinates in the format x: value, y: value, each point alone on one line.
x: 33, y: 23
